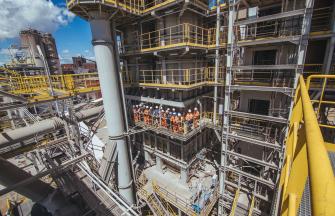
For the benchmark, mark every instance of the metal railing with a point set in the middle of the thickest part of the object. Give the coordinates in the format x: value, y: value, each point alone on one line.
x: 137, y: 7
x: 322, y: 102
x: 321, y: 20
x: 270, y: 29
x: 184, y: 204
x: 63, y: 84
x: 255, y: 129
x: 306, y: 158
x: 178, y: 125
x: 270, y: 78
x: 180, y: 77
x: 179, y: 35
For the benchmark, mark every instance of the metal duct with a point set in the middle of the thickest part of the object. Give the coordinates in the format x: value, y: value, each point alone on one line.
x: 44, y: 126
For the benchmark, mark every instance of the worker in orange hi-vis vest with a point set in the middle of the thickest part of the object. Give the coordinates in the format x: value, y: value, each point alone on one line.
x: 134, y: 113
x: 176, y: 123
x: 189, y: 120
x: 163, y: 118
x: 146, y: 115
x: 196, y: 117
x: 150, y: 116
x: 140, y: 110
x: 173, y: 121
x: 181, y: 123
x: 137, y: 112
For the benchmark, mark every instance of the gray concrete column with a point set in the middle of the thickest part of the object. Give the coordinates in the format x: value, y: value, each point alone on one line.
x: 159, y: 163
x: 147, y: 157
x: 111, y: 94
x: 183, y: 175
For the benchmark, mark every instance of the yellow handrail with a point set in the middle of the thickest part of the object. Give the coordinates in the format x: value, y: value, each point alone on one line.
x: 306, y: 156
x: 320, y: 169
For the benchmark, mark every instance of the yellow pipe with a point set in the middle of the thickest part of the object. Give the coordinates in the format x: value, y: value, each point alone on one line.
x: 308, y: 81
x: 320, y: 170
x: 292, y: 204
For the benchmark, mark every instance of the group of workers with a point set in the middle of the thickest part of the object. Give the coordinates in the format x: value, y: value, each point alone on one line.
x: 170, y: 119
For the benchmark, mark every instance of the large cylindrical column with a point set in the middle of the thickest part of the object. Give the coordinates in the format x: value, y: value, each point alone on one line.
x: 111, y: 94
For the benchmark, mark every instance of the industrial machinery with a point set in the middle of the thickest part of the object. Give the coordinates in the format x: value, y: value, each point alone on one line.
x: 197, y: 108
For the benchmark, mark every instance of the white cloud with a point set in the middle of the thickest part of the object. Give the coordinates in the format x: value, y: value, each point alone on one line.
x: 38, y: 14
x: 65, y: 59
x: 66, y: 51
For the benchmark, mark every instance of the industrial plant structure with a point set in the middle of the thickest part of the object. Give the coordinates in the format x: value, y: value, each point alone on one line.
x: 197, y: 108
x: 36, y: 53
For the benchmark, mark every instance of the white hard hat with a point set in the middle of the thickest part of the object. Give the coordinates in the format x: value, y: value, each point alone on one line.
x: 150, y: 107
x: 168, y: 109
x: 147, y: 107
x: 174, y: 113
x: 173, y: 109
x: 136, y: 105
x: 162, y: 110
x: 195, y: 108
x: 156, y: 107
x: 189, y: 110
x: 179, y: 114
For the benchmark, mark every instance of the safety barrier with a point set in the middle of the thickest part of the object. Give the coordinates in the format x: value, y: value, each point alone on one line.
x: 185, y: 205
x: 174, y: 123
x: 270, y: 29
x: 321, y: 20
x: 137, y: 7
x: 180, y: 77
x: 255, y: 129
x: 306, y: 160
x: 185, y: 34
x: 269, y: 78
x: 324, y: 85
x: 63, y: 85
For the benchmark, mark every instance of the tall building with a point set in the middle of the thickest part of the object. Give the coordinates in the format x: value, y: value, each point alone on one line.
x: 31, y: 39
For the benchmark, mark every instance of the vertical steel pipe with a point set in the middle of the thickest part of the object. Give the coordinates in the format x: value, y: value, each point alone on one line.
x: 111, y: 93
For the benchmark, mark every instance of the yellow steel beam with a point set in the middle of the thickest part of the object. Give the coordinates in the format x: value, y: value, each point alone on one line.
x: 252, y: 204
x: 235, y: 201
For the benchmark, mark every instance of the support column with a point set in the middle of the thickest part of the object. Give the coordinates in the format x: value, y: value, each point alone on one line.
x: 111, y: 94
x: 183, y: 175
x: 147, y: 157
x: 327, y: 63
x: 217, y: 59
x: 225, y: 129
x: 159, y: 164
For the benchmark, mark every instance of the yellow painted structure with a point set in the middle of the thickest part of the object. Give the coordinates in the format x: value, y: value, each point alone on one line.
x: 306, y: 156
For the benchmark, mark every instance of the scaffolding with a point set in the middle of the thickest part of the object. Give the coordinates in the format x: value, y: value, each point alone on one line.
x: 206, y: 110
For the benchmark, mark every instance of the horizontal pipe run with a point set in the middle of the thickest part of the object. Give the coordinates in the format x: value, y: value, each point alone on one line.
x: 44, y: 126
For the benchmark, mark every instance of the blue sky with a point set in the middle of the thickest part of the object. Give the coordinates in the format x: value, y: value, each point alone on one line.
x: 72, y: 34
